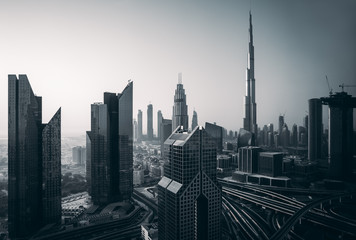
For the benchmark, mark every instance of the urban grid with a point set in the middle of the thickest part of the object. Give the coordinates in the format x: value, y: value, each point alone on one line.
x: 190, y: 181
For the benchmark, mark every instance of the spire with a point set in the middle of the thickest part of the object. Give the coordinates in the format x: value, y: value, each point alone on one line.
x: 250, y: 29
x: 180, y: 78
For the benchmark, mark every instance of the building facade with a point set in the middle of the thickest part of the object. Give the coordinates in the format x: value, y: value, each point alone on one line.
x: 159, y: 122
x: 34, y: 159
x: 189, y: 197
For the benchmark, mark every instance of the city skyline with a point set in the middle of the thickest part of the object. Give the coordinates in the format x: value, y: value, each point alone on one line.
x: 296, y: 45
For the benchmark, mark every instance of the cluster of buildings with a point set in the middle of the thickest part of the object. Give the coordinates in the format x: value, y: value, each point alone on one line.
x: 185, y: 162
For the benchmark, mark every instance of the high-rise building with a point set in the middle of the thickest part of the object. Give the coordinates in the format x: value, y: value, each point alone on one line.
x: 194, y: 120
x: 280, y: 124
x: 340, y: 134
x: 110, y: 142
x: 34, y: 165
x: 314, y: 129
x: 149, y: 122
x: 51, y: 171
x: 189, y: 197
x: 180, y: 108
x: 248, y: 159
x: 285, y: 136
x: 216, y: 133
x: 250, y: 118
x: 139, y: 126
x: 135, y: 128
x: 159, y: 122
x: 294, y: 136
x: 166, y: 131
x: 79, y: 155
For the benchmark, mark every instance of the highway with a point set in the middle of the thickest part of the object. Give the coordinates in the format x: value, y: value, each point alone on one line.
x: 289, y: 206
x: 108, y: 230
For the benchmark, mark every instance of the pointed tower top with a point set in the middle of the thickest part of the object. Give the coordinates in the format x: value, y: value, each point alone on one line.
x: 180, y: 78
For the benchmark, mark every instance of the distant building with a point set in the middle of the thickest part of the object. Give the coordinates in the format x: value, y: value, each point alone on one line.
x: 159, y: 122
x: 34, y: 162
x: 189, y: 197
x: 135, y: 129
x: 280, y: 124
x: 248, y: 159
x: 110, y: 142
x: 216, y: 132
x: 314, y: 129
x: 285, y: 136
x: 294, y: 136
x: 194, y: 120
x: 166, y: 131
x: 139, y: 126
x: 270, y: 164
x: 180, y: 108
x: 79, y: 155
x: 149, y: 122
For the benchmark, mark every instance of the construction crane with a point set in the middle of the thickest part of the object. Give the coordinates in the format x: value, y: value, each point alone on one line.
x: 343, y: 85
x: 330, y: 89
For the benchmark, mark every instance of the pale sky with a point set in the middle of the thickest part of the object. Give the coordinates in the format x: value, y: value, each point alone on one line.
x: 72, y: 51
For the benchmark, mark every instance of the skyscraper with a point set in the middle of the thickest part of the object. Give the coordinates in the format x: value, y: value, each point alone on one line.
x: 314, y: 129
x: 189, y: 199
x: 159, y: 122
x: 250, y: 118
x: 180, y: 108
x: 110, y: 143
x: 166, y: 131
x: 34, y: 165
x: 280, y: 124
x: 194, y: 120
x: 51, y: 171
x: 139, y: 126
x: 216, y: 133
x: 340, y: 133
x: 149, y: 122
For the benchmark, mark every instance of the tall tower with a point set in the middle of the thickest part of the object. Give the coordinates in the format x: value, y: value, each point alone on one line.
x: 314, y: 129
x: 34, y: 161
x: 194, y: 120
x: 159, y: 122
x: 250, y: 118
x: 139, y: 125
x: 110, y: 143
x: 189, y: 199
x: 180, y: 108
x: 149, y: 122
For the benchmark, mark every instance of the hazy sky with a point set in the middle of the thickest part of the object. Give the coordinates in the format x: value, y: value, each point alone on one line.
x: 73, y: 51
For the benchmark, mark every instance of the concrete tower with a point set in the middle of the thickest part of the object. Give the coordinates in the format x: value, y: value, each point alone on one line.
x: 180, y: 108
x: 250, y: 118
x: 149, y: 122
